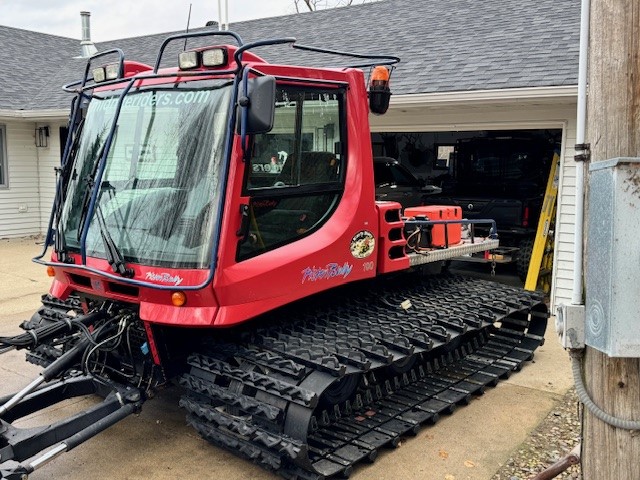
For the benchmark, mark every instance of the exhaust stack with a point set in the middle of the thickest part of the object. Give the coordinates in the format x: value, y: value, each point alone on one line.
x: 86, y: 45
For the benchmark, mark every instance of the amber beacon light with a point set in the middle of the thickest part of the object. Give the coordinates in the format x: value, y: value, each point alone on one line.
x: 379, y: 91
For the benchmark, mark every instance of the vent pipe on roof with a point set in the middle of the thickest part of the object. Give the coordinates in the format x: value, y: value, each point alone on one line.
x: 223, y: 15
x: 86, y: 45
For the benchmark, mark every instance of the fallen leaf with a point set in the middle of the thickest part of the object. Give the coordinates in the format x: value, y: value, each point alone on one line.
x: 443, y: 454
x: 469, y: 464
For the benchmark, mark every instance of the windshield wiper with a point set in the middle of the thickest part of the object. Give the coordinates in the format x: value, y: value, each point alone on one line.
x: 114, y: 256
x: 90, y: 179
x: 63, y: 175
x: 86, y: 200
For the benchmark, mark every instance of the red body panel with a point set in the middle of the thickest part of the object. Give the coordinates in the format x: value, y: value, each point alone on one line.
x: 329, y: 257
x: 297, y: 270
x: 155, y: 305
x: 391, y: 253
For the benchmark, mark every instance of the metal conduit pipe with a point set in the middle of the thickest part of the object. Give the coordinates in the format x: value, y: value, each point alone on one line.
x: 576, y: 297
x: 576, y: 358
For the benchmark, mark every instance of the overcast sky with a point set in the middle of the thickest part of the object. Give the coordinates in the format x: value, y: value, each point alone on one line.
x: 112, y: 19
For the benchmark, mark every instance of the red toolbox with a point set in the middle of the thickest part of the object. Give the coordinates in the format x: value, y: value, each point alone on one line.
x: 440, y: 212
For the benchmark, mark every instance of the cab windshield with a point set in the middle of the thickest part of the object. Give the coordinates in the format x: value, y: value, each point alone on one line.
x: 158, y: 196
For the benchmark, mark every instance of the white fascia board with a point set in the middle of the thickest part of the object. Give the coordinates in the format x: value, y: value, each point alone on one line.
x: 485, y: 96
x: 36, y: 115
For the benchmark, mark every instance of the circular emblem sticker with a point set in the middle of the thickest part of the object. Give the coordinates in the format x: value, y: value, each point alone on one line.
x: 362, y: 244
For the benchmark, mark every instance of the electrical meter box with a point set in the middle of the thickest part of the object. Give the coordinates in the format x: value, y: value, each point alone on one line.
x: 613, y: 258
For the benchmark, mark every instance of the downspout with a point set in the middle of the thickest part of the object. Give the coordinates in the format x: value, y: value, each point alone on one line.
x: 576, y: 296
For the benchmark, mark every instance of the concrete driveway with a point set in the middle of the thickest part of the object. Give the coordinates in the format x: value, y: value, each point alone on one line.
x: 470, y: 444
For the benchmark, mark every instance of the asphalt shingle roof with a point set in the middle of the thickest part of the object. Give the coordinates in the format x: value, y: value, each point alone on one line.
x: 29, y: 68
x: 445, y: 46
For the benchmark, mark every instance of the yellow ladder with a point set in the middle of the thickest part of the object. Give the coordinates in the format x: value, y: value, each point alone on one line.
x: 541, y: 263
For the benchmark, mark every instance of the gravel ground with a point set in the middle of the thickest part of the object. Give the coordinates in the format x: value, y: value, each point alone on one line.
x: 554, y: 438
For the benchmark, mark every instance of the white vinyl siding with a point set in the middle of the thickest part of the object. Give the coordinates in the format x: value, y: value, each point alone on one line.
x: 565, y: 222
x: 4, y: 177
x: 19, y: 201
x: 510, y: 115
x: 25, y: 203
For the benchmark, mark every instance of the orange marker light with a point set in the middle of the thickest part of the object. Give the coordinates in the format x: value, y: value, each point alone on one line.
x: 379, y: 91
x: 178, y: 299
x: 51, y: 272
x: 380, y: 74
x: 380, y: 79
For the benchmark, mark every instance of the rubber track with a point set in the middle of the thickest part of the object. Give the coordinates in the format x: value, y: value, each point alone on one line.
x: 269, y: 393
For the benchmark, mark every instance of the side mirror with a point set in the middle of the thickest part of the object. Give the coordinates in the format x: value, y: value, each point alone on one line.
x: 431, y: 190
x: 257, y: 108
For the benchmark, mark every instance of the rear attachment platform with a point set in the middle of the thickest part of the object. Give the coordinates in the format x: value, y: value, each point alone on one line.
x: 318, y: 389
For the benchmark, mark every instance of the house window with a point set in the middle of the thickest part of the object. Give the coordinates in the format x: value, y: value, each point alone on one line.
x: 4, y: 176
x: 295, y: 174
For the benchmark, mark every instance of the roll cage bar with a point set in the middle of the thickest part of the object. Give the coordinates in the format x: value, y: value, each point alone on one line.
x: 83, y: 88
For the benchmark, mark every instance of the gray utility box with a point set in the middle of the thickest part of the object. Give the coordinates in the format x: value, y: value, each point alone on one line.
x: 613, y: 258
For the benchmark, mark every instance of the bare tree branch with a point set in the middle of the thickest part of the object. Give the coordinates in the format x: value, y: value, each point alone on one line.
x: 314, y: 5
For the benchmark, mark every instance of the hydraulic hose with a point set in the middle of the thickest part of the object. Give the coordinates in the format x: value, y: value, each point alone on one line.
x: 576, y: 357
x: 33, y: 337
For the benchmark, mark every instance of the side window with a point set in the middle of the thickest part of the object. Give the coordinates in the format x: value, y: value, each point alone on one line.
x: 295, y: 174
x: 4, y: 177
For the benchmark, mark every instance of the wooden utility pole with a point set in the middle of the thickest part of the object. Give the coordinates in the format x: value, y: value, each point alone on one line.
x: 613, y: 130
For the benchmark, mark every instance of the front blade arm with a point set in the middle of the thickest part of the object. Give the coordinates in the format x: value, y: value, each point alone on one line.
x: 17, y: 445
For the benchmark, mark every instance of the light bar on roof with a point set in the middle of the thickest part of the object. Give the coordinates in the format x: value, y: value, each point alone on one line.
x: 188, y: 60
x: 112, y: 71
x: 99, y: 75
x: 214, y: 57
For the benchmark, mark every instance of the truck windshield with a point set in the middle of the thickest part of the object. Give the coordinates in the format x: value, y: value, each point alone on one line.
x: 157, y: 197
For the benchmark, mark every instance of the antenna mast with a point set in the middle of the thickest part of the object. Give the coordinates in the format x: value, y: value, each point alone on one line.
x: 188, y: 21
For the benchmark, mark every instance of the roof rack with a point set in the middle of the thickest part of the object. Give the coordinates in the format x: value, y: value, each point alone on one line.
x: 387, y: 60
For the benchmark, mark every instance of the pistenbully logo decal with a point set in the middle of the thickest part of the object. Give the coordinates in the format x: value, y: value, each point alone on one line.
x: 332, y: 270
x: 164, y: 277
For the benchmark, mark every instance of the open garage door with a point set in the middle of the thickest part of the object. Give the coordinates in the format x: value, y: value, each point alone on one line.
x: 489, y: 174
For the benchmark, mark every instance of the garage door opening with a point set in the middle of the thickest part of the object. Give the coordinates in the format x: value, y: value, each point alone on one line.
x: 500, y: 175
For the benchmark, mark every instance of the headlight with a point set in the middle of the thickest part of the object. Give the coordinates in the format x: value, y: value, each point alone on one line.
x: 112, y: 71
x: 188, y: 60
x: 99, y: 75
x: 214, y: 57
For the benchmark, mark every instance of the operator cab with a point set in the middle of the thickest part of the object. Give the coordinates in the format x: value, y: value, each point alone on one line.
x: 212, y: 176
